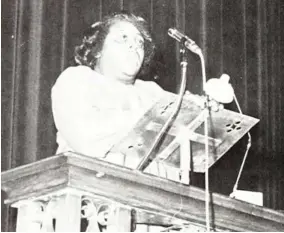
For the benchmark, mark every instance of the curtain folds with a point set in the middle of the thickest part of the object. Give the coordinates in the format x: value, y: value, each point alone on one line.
x: 240, y: 38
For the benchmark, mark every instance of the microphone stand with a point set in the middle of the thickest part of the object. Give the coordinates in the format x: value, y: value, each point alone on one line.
x: 152, y: 155
x: 152, y: 152
x: 207, y: 112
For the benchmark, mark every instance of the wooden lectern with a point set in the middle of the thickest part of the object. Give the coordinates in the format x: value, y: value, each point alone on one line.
x: 66, y: 191
x: 50, y: 196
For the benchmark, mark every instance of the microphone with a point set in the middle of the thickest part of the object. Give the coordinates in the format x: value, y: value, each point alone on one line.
x: 180, y: 37
x: 220, y: 89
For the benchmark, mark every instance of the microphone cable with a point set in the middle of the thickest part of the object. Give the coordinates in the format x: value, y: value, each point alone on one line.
x: 232, y: 195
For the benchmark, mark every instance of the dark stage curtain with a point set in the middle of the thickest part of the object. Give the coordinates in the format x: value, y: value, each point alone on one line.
x: 241, y: 38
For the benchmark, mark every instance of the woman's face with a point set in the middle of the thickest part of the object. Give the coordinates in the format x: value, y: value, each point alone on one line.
x: 123, y: 52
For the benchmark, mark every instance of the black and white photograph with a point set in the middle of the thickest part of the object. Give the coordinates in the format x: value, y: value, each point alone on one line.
x: 142, y: 116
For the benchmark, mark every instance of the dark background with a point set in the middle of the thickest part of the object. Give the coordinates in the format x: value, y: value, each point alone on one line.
x: 241, y: 38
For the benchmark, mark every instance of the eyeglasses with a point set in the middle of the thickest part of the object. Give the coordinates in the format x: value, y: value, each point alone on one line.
x: 124, y: 38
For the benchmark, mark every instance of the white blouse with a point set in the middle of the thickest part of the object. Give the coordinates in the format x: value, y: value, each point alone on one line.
x: 93, y: 112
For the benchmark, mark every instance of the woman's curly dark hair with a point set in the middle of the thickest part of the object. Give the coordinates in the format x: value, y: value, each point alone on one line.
x: 93, y: 40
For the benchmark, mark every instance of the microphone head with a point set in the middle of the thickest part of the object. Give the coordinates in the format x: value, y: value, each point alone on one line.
x: 171, y: 31
x: 220, y: 89
x: 174, y: 33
